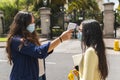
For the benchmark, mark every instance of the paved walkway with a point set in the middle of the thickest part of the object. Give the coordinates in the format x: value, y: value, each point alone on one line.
x: 109, y: 42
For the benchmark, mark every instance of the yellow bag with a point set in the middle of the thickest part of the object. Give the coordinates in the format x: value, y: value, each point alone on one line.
x: 73, y: 75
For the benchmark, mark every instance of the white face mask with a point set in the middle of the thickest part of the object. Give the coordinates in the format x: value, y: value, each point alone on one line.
x: 79, y: 36
x: 31, y: 27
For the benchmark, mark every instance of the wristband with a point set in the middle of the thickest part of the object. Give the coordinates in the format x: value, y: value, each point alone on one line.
x: 60, y: 39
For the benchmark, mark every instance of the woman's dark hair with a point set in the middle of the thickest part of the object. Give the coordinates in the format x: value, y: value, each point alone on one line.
x: 92, y: 36
x: 18, y: 28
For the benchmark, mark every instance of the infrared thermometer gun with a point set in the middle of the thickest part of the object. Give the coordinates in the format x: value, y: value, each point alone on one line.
x: 71, y: 26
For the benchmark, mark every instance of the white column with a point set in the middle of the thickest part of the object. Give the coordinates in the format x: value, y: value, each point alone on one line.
x: 108, y: 19
x: 45, y: 20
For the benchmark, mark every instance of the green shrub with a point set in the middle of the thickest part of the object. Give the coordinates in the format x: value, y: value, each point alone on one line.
x: 57, y: 32
x: 9, y: 9
x: 38, y: 30
x: 3, y: 39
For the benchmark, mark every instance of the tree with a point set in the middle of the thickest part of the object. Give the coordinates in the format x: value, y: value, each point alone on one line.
x: 24, y: 4
x: 118, y: 15
x: 88, y: 5
x: 53, y: 4
x: 83, y: 9
x: 9, y: 9
x: 29, y: 3
x: 118, y: 8
x: 17, y: 3
x: 58, y: 2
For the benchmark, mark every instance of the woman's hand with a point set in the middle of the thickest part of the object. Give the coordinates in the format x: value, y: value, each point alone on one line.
x: 66, y: 35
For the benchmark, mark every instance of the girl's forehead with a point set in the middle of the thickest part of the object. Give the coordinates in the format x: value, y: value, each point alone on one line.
x: 80, y: 26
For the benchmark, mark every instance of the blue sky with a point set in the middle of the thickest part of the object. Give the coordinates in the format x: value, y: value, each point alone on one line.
x: 115, y: 1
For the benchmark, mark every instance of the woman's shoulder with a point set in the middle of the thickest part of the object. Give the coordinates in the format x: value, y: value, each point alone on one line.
x: 15, y: 42
x: 90, y: 52
x: 90, y: 49
x: 16, y: 39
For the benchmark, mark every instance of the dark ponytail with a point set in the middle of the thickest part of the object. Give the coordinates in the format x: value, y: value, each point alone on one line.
x: 100, y: 48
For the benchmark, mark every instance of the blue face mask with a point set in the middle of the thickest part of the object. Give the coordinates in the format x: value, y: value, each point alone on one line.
x: 79, y: 36
x: 31, y: 28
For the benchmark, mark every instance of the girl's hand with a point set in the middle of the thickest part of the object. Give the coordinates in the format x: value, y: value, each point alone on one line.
x: 76, y: 73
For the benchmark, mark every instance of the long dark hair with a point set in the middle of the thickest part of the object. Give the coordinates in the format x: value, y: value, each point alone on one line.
x: 92, y: 36
x: 18, y: 27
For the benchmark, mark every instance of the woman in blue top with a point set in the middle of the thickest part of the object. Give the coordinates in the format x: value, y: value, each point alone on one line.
x: 24, y: 49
